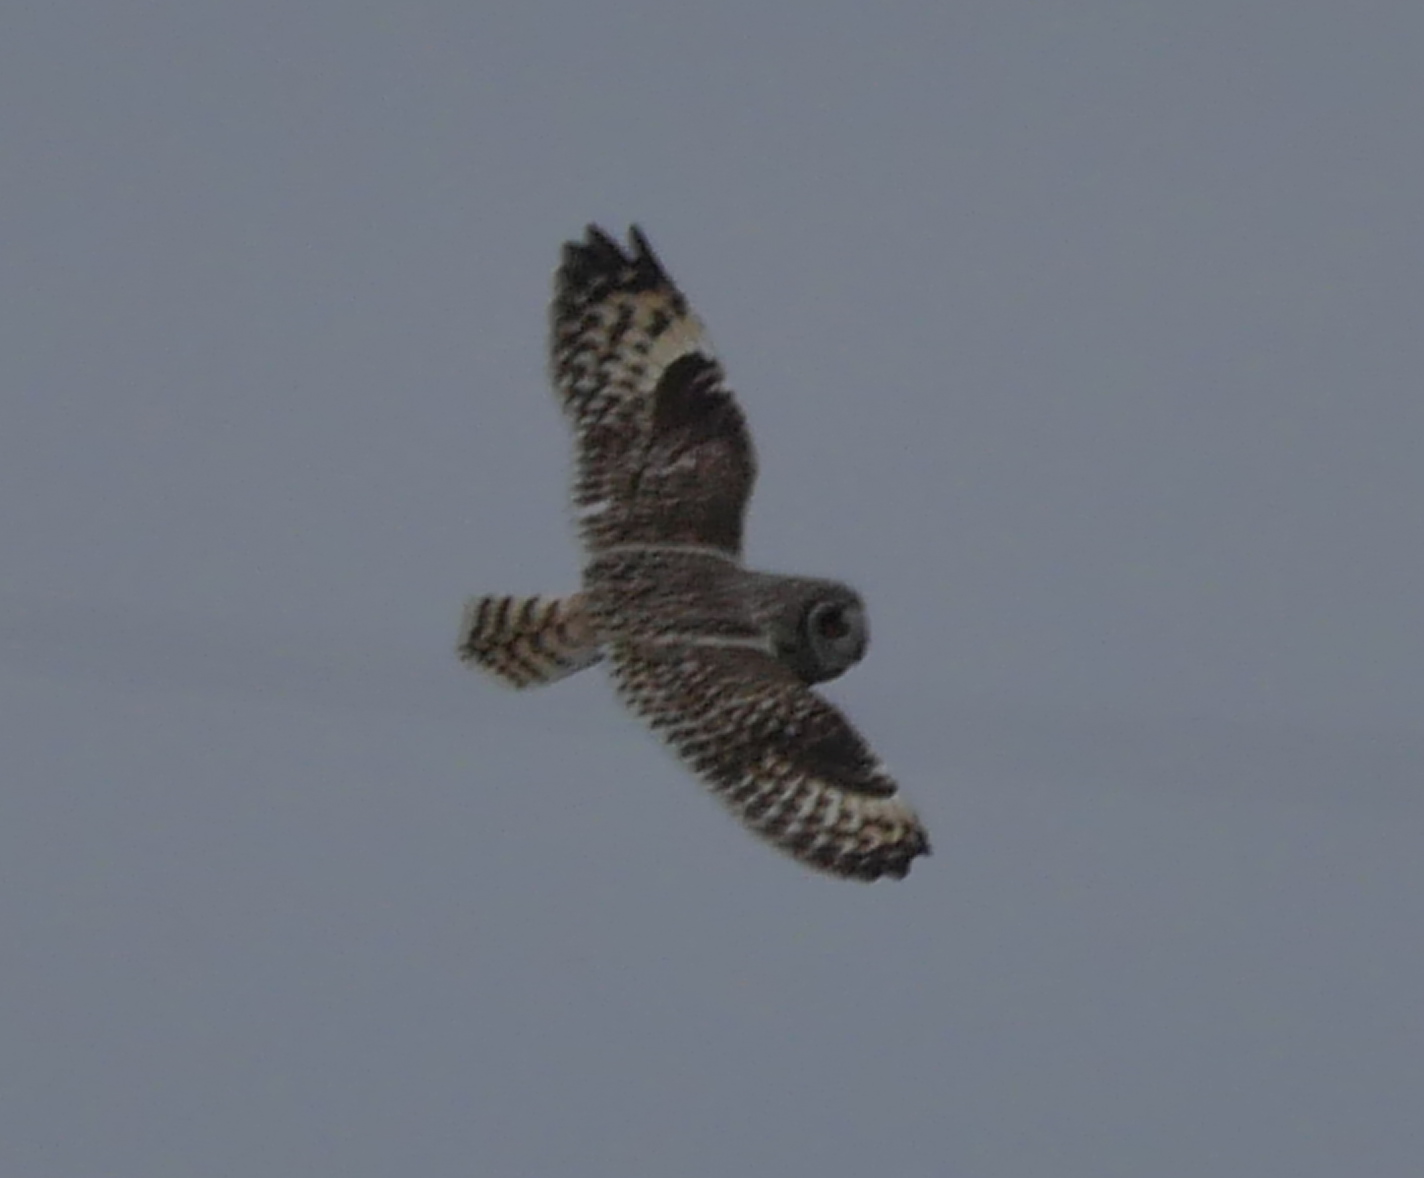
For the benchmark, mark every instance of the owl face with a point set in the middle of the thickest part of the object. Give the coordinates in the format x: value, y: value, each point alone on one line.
x: 831, y: 637
x: 817, y: 628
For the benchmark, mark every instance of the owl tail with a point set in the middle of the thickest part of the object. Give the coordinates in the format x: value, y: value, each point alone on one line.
x: 528, y: 641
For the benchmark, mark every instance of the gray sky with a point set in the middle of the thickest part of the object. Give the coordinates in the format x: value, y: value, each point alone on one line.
x: 1084, y: 338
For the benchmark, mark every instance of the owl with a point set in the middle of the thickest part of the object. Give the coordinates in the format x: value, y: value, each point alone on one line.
x: 716, y: 658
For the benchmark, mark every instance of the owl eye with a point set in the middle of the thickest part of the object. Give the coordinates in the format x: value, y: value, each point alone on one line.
x: 831, y: 623
x: 833, y: 638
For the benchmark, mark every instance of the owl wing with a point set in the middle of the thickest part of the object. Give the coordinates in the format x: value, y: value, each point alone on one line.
x: 663, y: 452
x: 781, y: 758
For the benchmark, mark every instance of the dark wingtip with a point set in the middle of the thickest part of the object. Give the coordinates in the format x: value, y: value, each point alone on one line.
x: 639, y: 241
x: 888, y: 862
x: 894, y: 862
x: 596, y: 239
x: 596, y: 254
x: 646, y: 257
x: 601, y: 257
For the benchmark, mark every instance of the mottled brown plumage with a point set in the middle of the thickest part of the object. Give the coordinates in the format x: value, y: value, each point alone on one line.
x: 716, y: 658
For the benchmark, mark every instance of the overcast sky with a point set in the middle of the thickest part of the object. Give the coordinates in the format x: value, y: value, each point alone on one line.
x: 1084, y: 338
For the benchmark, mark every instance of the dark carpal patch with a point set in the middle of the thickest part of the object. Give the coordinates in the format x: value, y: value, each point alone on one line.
x: 691, y: 400
x: 836, y: 754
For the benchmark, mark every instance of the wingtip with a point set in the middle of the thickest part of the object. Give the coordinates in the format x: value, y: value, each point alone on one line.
x: 601, y: 251
x: 595, y: 253
x: 601, y: 256
x: 639, y: 241
x: 595, y: 237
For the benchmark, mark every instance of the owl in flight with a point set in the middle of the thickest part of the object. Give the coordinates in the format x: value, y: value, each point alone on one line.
x: 719, y: 660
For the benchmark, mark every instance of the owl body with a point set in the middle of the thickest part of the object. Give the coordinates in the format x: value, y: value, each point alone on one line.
x: 716, y: 658
x: 658, y: 594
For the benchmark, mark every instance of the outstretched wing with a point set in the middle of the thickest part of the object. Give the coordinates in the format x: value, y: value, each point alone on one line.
x: 781, y: 758
x: 663, y: 451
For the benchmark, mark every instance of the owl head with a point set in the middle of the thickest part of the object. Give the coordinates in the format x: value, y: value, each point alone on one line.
x: 817, y: 628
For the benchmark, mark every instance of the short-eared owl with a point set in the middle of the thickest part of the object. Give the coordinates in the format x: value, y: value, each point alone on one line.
x: 716, y: 658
